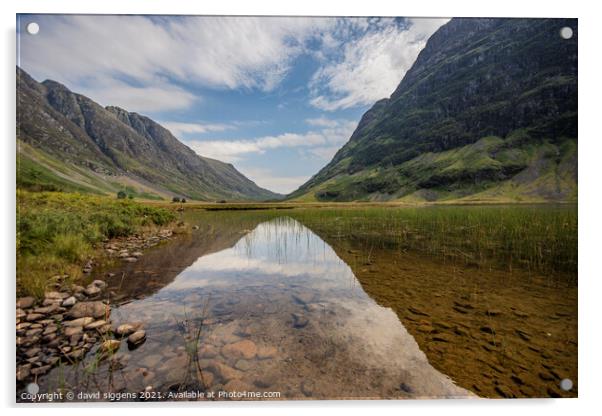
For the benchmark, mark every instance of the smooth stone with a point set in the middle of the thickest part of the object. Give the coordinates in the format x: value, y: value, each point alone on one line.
x: 137, y: 337
x: 225, y: 372
x: 92, y: 290
x: 96, y: 324
x: 130, y: 259
x: 101, y: 284
x: 137, y: 254
x: 33, y: 332
x: 34, y: 316
x: 73, y: 330
x: 208, y: 351
x: 47, y: 310
x: 86, y: 320
x: 25, y: 302
x: 110, y: 345
x: 125, y: 330
x: 266, y: 351
x: 77, y: 288
x: 40, y: 370
x: 70, y: 301
x: 243, y: 365
x: 56, y: 295
x: 241, y: 349
x: 95, y: 309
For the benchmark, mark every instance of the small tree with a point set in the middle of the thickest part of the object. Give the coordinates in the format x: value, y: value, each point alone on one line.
x: 175, y: 199
x: 183, y: 200
x: 130, y: 196
x: 121, y: 195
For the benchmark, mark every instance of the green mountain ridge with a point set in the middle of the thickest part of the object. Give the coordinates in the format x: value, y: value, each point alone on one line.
x: 488, y: 112
x: 66, y: 141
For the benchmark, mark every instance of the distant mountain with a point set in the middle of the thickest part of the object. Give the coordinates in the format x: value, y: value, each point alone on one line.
x: 487, y: 112
x: 67, y: 141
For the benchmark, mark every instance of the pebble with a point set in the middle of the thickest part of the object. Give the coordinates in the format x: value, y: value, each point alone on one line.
x: 110, y: 345
x: 95, y: 309
x: 92, y: 290
x: 124, y: 330
x: 241, y: 349
x: 299, y: 321
x: 265, y: 352
x: 79, y: 321
x: 25, y: 302
x: 137, y: 338
x: 70, y: 301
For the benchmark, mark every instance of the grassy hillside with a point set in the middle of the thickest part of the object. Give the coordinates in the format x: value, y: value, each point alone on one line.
x: 490, y: 170
x: 488, y: 110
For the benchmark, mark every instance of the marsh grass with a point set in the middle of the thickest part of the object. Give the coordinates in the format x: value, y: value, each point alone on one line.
x: 57, y: 232
x: 536, y: 238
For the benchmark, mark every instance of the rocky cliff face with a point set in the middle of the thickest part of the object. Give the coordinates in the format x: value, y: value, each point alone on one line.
x: 485, y: 101
x: 73, y: 129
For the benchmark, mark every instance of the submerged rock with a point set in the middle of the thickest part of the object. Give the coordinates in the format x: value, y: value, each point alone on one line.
x: 241, y: 349
x: 137, y: 338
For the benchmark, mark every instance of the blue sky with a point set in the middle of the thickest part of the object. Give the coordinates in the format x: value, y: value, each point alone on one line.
x: 275, y: 96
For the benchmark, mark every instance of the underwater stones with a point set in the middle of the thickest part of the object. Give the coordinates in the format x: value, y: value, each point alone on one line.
x: 137, y: 338
x: 243, y: 365
x: 125, y: 330
x: 308, y: 387
x: 299, y: 321
x: 110, y: 346
x: 487, y: 329
x: 224, y: 371
x: 237, y: 385
x: 152, y: 360
x: 95, y: 309
x: 130, y: 259
x: 523, y: 334
x: 266, y: 351
x: 208, y: 351
x: 303, y: 297
x: 241, y: 349
x: 25, y: 302
x: 136, y: 254
x: 417, y: 311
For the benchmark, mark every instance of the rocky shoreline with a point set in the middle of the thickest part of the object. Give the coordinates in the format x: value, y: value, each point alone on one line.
x: 70, y: 321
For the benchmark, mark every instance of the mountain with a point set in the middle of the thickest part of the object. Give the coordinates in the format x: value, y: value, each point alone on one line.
x: 67, y: 141
x: 488, y: 112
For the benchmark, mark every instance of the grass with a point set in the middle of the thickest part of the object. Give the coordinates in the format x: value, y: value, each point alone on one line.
x: 57, y: 232
x: 537, y: 238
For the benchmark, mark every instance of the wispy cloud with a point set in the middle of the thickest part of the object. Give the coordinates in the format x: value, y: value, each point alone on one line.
x: 372, y: 66
x: 143, y: 52
x: 233, y: 150
x: 179, y: 129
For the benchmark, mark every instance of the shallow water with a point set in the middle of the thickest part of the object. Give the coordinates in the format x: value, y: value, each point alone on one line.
x: 274, y: 309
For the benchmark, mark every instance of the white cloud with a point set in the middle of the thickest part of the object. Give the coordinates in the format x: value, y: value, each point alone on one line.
x: 159, y: 96
x: 372, y: 66
x: 143, y: 52
x: 179, y: 129
x: 235, y: 149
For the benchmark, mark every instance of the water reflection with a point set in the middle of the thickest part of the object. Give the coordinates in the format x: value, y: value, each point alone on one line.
x: 277, y: 311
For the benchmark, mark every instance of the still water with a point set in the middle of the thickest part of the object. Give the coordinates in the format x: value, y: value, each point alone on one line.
x: 271, y: 309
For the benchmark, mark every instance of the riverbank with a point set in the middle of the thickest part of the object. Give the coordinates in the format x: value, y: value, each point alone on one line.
x: 60, y: 236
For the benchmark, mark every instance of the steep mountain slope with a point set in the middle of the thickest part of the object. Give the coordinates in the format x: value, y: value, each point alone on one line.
x: 73, y: 143
x: 487, y: 112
